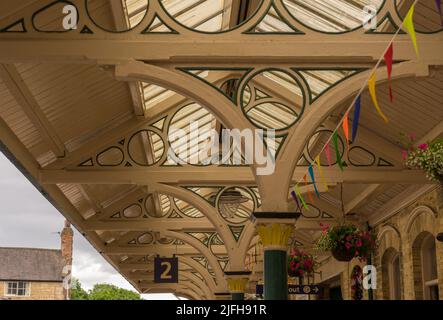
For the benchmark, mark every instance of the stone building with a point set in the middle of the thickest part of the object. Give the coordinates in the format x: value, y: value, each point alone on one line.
x: 409, y: 259
x: 37, y: 274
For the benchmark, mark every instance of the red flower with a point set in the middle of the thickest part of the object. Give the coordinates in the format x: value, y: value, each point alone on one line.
x: 348, y: 238
x: 348, y: 245
x: 358, y: 243
x: 301, y: 272
x: 423, y: 146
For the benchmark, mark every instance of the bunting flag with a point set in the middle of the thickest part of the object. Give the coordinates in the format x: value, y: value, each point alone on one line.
x: 328, y: 154
x: 373, y: 93
x: 356, y: 118
x: 297, y: 191
x: 345, y: 125
x: 294, y: 196
x: 320, y: 170
x: 389, y: 57
x: 409, y: 25
x: 337, y: 151
x: 404, y: 155
x: 311, y: 198
x: 438, y: 3
x: 311, y: 173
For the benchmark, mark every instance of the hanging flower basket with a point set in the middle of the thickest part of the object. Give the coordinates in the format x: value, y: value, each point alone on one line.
x: 427, y: 157
x: 347, y: 242
x: 300, y: 263
x: 342, y: 255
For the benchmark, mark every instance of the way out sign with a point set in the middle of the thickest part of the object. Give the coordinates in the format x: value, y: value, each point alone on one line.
x: 166, y: 270
x: 295, y: 289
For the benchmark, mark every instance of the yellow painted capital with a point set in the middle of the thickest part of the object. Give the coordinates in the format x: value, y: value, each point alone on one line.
x: 275, y: 236
x: 237, y: 285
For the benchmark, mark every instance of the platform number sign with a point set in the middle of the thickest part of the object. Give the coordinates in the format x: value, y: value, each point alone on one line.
x: 166, y: 270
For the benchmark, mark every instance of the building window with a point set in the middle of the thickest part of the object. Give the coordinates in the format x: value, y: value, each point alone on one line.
x: 391, y: 280
x: 18, y: 288
x: 425, y: 267
x: 429, y: 262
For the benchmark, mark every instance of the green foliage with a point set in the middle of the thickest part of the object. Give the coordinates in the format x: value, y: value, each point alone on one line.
x: 102, y: 291
x: 77, y: 292
x: 429, y: 158
x: 348, y: 238
x: 300, y: 263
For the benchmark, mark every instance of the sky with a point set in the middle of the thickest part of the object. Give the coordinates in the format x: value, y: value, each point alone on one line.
x: 27, y: 219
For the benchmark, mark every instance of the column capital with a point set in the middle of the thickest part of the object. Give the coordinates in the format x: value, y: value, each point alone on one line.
x: 222, y: 295
x: 237, y: 280
x: 275, y: 228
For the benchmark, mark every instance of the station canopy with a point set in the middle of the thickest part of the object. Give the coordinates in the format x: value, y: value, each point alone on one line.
x: 88, y: 114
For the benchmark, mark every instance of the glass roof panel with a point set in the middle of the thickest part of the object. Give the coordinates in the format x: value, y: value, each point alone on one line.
x: 331, y: 15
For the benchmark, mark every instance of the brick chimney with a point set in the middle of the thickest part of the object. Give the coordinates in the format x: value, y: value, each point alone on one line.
x: 67, y: 237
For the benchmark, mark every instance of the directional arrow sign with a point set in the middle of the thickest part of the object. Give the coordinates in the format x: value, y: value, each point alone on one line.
x: 296, y: 289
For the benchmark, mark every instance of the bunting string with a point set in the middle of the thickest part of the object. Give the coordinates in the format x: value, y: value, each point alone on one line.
x: 344, y: 122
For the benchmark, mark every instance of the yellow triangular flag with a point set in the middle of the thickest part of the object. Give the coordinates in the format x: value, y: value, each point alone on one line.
x: 409, y: 25
x: 320, y: 170
x: 372, y: 91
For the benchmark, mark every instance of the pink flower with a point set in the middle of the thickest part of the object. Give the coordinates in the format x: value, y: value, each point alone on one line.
x: 348, y: 245
x: 297, y: 266
x: 301, y: 272
x: 358, y: 243
x: 404, y: 155
x: 423, y: 146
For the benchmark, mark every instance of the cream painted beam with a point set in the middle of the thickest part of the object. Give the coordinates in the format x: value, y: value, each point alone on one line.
x: 399, y: 202
x: 151, y: 224
x: 269, y: 49
x: 221, y: 175
x: 163, y: 250
x: 363, y: 197
x: 195, y: 225
x: 18, y: 89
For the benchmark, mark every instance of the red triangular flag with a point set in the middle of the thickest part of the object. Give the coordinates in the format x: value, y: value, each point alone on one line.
x: 328, y: 154
x: 389, y: 57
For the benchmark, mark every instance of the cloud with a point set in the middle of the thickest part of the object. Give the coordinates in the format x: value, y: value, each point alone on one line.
x: 27, y: 219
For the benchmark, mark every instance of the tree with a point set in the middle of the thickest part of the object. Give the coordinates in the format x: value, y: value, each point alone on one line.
x: 102, y: 291
x: 77, y: 292
x: 110, y: 292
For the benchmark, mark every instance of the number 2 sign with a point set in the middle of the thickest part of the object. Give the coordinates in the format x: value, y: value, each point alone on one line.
x: 166, y: 270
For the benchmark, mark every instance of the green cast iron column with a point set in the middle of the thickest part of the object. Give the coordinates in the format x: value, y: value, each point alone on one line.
x: 275, y: 230
x: 275, y: 275
x: 238, y: 296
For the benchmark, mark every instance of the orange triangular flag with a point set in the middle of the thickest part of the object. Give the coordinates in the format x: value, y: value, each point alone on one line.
x: 311, y: 198
x: 346, y: 128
